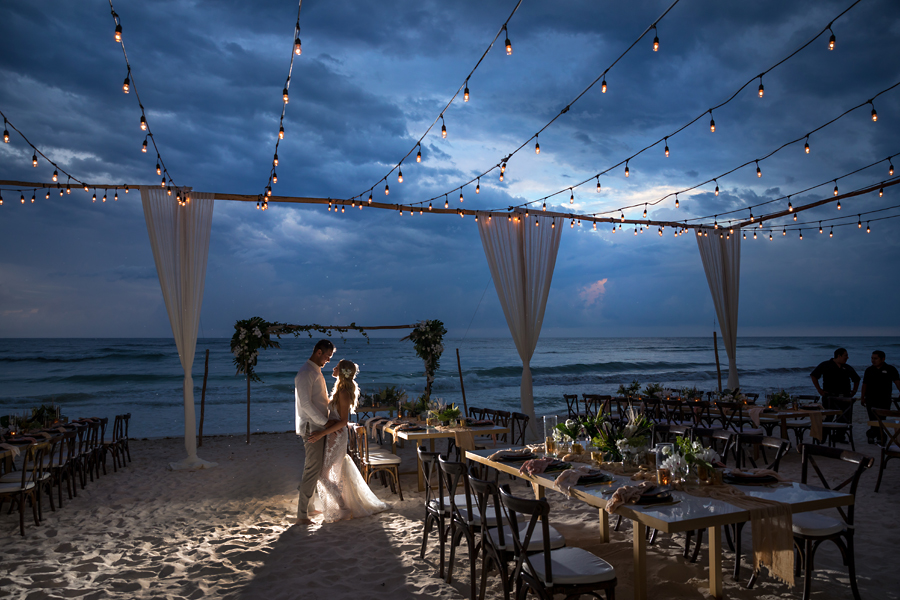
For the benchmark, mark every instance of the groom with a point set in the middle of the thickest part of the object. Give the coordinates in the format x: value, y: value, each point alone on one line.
x: 311, y: 398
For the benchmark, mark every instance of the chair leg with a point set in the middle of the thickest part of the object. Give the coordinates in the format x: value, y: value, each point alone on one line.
x: 697, y: 546
x: 425, y: 531
x: 880, y: 472
x: 851, y: 567
x: 737, y: 551
x: 21, y: 513
x: 808, y: 566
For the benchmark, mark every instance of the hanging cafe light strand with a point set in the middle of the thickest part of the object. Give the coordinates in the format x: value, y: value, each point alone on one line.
x: 755, y: 161
x: 602, y: 76
x: 417, y: 147
x: 130, y: 85
x: 664, y: 139
x: 296, y: 50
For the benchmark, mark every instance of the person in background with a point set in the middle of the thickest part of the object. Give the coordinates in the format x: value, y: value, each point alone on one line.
x: 876, y: 390
x: 837, y: 377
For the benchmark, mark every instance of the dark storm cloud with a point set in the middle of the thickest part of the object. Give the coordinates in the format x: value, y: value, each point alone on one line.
x: 371, y: 78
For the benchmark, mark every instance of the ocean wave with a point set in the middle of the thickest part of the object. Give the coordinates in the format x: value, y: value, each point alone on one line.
x: 580, y: 368
x: 137, y: 356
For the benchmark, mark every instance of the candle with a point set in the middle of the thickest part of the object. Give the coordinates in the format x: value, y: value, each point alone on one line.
x: 663, y: 477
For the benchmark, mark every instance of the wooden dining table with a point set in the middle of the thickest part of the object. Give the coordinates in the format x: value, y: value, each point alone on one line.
x: 688, y: 514
x: 782, y: 415
x: 430, y: 434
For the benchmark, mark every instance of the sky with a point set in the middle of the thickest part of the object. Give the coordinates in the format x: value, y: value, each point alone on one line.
x: 372, y: 77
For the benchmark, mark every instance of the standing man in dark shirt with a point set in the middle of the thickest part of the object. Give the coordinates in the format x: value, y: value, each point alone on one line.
x: 836, y: 376
x: 876, y: 389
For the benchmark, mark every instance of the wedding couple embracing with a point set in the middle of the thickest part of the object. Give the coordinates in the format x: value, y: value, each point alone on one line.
x: 332, y: 487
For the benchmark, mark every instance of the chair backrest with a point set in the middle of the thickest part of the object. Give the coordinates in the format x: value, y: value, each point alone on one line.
x: 592, y: 404
x: 70, y: 445
x: 502, y: 417
x: 126, y: 417
x: 33, y: 464
x: 487, y: 493
x: 104, y: 421
x: 731, y: 415
x: 571, y: 405
x: 118, y: 430
x: 518, y: 425
x: 362, y: 445
x: 56, y: 451
x: 652, y: 409
x: 352, y: 442
x: 891, y: 435
x: 429, y: 462
x: 489, y: 413
x: 674, y: 411
x: 741, y: 441
x: 845, y: 405
x: 701, y: 411
x: 537, y: 513
x: 476, y: 413
x: 93, y: 434
x: 754, y: 396
x: 811, y: 452
x: 454, y: 473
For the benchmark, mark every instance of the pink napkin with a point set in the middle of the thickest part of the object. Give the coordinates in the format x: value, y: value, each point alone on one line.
x: 535, y: 466
x: 755, y: 412
x: 569, y: 478
x: 15, y: 451
x: 627, y: 494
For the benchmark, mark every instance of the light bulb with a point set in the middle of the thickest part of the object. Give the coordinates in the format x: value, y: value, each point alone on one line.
x: 476, y: 217
x: 34, y: 160
x: 831, y: 41
x: 751, y: 216
x: 55, y: 175
x: 867, y: 228
x: 370, y: 196
x: 758, y: 171
x: 508, y: 46
x: 466, y: 94
x: 571, y: 197
x: 169, y: 191
x: 572, y: 224
x: 104, y: 196
x: 626, y: 170
x: 86, y: 188
x: 47, y: 195
x: 419, y: 155
x: 503, y: 167
x: 667, y: 150
x: 268, y: 190
x: 784, y: 232
x: 656, y: 43
x: 544, y: 206
x: 795, y: 217
x: 537, y: 147
x: 329, y: 206
x: 890, y: 168
x: 126, y: 188
x: 429, y: 206
x: 595, y: 226
x: 645, y: 211
x: 460, y: 195
x: 284, y: 95
x: 676, y: 202
x: 835, y: 188
x: 717, y: 188
x: 603, y: 86
x: 446, y: 202
x: 712, y: 124
x: 761, y: 89
x: 881, y: 192
x: 126, y: 85
x: 275, y: 160
x: 143, y: 123
x: 116, y: 197
x: 94, y: 199
x: 118, y: 35
x: 598, y: 184
x: 806, y: 147
x: 770, y: 237
x: 281, y: 132
x: 399, y: 176
x: 162, y: 183
x: 443, y: 131
x: 144, y: 146
x: 831, y: 233
x: 859, y: 222
x: 6, y: 136
x: 754, y: 235
x: 387, y: 190
x: 298, y: 47
x: 790, y: 206
x: 526, y: 213
x: 839, y: 205
x: 478, y: 186
x: 68, y: 189
x: 874, y: 114
x: 622, y: 218
x: 820, y: 226
x: 158, y: 169
x: 274, y: 177
x: 801, y: 234
x: 501, y: 176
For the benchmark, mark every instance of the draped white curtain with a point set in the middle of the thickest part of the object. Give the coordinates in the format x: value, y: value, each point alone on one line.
x: 722, y: 263
x: 522, y: 257
x: 179, y: 236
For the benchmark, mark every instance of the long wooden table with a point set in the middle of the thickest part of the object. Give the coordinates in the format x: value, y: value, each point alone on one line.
x: 432, y: 433
x: 689, y: 514
x: 783, y: 415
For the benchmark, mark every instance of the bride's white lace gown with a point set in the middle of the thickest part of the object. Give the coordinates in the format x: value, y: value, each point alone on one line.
x: 341, y: 492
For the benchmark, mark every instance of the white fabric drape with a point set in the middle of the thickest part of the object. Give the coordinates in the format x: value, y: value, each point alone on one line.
x: 522, y: 257
x: 179, y: 236
x: 722, y: 262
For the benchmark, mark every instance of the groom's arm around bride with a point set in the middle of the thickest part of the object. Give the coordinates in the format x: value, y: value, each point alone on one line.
x: 311, y: 415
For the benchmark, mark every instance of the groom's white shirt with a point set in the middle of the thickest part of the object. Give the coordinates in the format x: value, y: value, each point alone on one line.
x: 310, y: 398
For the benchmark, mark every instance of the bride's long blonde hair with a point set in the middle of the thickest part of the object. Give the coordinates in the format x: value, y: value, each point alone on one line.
x: 347, y: 371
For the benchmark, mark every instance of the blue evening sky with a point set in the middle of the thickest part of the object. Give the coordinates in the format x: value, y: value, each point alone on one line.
x: 372, y: 77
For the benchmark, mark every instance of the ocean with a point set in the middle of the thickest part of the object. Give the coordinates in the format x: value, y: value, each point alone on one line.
x: 105, y: 377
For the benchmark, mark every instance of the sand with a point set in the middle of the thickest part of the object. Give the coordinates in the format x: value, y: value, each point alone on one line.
x: 146, y: 532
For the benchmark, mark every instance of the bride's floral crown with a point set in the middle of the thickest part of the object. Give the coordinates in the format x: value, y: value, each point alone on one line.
x: 347, y: 373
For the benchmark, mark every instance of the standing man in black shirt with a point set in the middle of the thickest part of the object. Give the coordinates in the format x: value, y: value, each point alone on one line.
x: 836, y: 376
x: 876, y: 389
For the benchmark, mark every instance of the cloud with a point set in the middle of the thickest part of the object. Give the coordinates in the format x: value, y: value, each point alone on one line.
x: 593, y: 292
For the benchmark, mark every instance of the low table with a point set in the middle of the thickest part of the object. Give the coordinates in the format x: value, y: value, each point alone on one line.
x: 363, y: 412
x: 689, y: 514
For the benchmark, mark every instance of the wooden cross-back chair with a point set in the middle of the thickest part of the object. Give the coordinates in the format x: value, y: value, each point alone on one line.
x: 890, y: 439
x: 572, y: 409
x: 377, y: 461
x: 22, y: 486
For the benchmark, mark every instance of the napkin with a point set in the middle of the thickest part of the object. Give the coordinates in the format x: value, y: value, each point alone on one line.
x: 15, y: 451
x: 506, y: 454
x: 755, y: 412
x: 569, y: 478
x: 627, y: 494
x: 536, y: 466
x: 815, y: 425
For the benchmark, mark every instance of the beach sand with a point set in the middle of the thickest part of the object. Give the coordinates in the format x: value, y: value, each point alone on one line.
x: 146, y: 532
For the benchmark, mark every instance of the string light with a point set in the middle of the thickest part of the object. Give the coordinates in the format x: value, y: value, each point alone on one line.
x: 667, y: 147
x: 118, y: 34
x: 446, y: 202
x: 47, y: 195
x: 478, y: 186
x: 626, y: 169
x: 881, y: 192
x: 868, y: 230
x: 890, y: 168
x: 717, y: 187
x: 158, y: 169
x: 281, y: 132
x: 537, y: 145
x: 399, y: 175
x: 820, y: 226
x: 298, y: 47
x: 466, y: 99
x: 758, y: 170
x: 839, y: 205
x: 274, y: 177
x: 284, y: 95
x: 370, y: 196
x: 275, y: 160
x: 419, y: 154
x: 784, y: 232
x: 143, y: 123
x: 544, y: 206
x: 831, y: 233
x: 104, y: 195
x: 5, y: 132
x: 595, y: 226
x: 94, y: 199
x: 770, y: 237
x: 116, y: 197
x: 645, y: 211
x: 460, y: 195
x: 126, y: 85
x: 55, y: 175
x: 126, y: 188
x: 443, y: 127
x: 507, y: 43
x: 754, y: 235
x: 831, y: 40
x: 144, y: 146
x: 859, y: 221
x: 761, y: 89
x: 655, y: 39
x: 712, y: 123
x: 34, y: 160
x: 502, y: 167
x: 806, y: 145
x: 598, y: 184
x: 571, y: 197
x: 603, y: 85
x: 676, y: 201
x: 801, y: 234
x: 387, y: 190
x: 835, y: 187
x: 790, y: 206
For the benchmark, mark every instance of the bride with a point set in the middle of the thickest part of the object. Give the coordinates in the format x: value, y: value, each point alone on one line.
x: 341, y: 492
